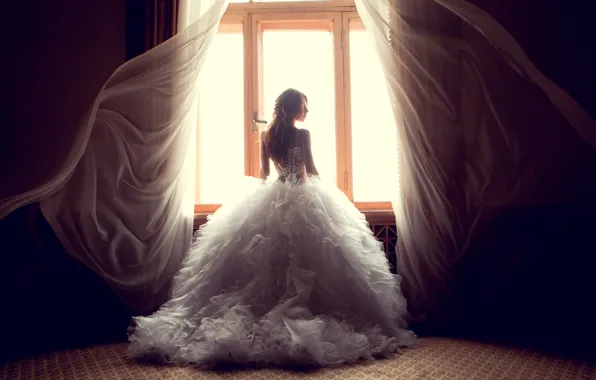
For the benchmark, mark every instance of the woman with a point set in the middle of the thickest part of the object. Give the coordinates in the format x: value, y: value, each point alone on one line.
x: 290, y: 274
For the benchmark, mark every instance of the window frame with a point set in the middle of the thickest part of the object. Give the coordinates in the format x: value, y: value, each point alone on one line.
x: 253, y: 14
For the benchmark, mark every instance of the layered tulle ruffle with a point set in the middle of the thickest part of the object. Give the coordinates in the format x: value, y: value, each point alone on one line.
x: 282, y: 275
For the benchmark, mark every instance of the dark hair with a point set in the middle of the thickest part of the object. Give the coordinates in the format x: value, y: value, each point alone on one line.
x: 288, y: 106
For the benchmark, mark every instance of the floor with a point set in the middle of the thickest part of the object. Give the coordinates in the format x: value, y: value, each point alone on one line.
x: 432, y: 359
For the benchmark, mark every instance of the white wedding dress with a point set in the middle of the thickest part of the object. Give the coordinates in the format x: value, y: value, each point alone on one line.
x: 288, y: 274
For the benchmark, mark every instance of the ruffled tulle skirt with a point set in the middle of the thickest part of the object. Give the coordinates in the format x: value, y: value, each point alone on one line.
x: 283, y: 275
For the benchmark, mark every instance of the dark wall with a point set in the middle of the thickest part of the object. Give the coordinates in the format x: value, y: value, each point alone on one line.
x: 528, y: 269
x: 136, y: 25
x: 56, y: 55
x: 559, y: 36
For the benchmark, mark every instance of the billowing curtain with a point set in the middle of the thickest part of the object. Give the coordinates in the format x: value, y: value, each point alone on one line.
x: 122, y: 202
x: 478, y: 126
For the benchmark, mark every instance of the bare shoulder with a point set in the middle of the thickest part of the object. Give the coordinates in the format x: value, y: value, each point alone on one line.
x: 304, y: 134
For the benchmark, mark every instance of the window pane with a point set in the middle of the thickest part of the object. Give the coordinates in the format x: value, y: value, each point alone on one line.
x: 220, y: 147
x: 374, y: 141
x: 303, y: 59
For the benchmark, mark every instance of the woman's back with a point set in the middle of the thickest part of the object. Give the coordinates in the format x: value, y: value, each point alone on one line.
x: 287, y: 146
x: 292, y: 165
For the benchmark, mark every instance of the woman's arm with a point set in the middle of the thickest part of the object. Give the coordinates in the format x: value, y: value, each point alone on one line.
x: 264, y: 159
x: 309, y: 162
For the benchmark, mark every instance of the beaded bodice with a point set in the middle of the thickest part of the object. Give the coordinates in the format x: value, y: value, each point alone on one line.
x: 292, y: 169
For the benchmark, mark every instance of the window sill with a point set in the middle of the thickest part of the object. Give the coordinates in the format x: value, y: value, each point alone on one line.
x: 372, y: 216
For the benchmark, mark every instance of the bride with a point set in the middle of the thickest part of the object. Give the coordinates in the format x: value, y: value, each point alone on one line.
x: 288, y: 274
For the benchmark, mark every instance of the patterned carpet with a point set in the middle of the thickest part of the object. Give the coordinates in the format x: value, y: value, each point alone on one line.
x: 433, y: 359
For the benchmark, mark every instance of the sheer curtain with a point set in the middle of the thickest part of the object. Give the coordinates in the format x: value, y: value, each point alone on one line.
x: 469, y: 105
x: 122, y: 203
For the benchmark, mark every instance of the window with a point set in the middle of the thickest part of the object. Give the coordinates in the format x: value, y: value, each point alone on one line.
x: 320, y: 48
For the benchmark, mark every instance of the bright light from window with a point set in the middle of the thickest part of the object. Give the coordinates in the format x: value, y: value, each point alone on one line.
x: 374, y: 135
x: 220, y: 150
x: 303, y: 59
